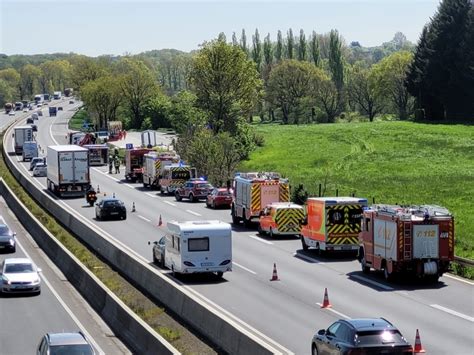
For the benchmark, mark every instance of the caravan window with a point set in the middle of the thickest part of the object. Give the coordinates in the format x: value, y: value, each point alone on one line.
x: 198, y: 244
x: 176, y: 242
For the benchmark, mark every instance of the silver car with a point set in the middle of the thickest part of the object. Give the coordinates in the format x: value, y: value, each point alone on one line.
x: 40, y: 170
x: 64, y: 343
x: 20, y: 275
x: 7, y: 237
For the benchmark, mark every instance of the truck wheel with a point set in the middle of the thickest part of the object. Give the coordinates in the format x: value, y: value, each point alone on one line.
x: 155, y: 260
x: 177, y: 196
x: 162, y: 262
x: 303, y: 244
x: 219, y: 274
x: 162, y: 192
x: 271, y: 233
x: 260, y: 230
x: 387, y: 275
x: 363, y: 264
x: 235, y: 219
x: 191, y: 198
x: 247, y: 222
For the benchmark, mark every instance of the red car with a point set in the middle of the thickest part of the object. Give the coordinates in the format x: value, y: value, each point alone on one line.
x: 194, y: 190
x: 219, y: 197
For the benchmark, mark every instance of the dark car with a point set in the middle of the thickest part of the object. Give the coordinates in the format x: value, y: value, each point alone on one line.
x: 7, y: 238
x: 64, y: 343
x: 29, y: 120
x: 110, y: 208
x: 60, y: 108
x: 194, y: 190
x: 159, y: 252
x: 34, y: 128
x: 219, y: 197
x: 360, y: 336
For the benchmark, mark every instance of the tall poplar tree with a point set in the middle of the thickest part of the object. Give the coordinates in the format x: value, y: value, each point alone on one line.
x: 336, y: 64
x: 243, y: 42
x: 290, y: 44
x: 257, y: 49
x: 302, y: 52
x: 268, y: 50
x: 279, y: 47
x: 235, y: 41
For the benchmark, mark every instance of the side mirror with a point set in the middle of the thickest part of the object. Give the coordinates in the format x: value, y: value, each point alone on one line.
x: 14, y: 234
x: 322, y: 332
x: 39, y: 270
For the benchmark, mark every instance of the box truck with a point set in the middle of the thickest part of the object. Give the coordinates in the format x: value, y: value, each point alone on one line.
x: 30, y: 150
x: 22, y: 134
x: 68, y: 170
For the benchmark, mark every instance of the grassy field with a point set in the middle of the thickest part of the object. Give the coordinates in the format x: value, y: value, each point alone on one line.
x: 76, y: 122
x: 393, y: 162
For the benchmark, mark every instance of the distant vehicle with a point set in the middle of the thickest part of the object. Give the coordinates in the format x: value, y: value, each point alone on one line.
x: 47, y: 97
x: 60, y: 108
x: 110, y: 208
x: 68, y: 170
x: 34, y: 116
x: 8, y: 107
x: 22, y: 134
x: 7, y: 237
x: 34, y: 128
x: 25, y: 109
x: 39, y: 112
x: 71, y: 102
x: 30, y: 150
x: 40, y: 170
x: 11, y: 113
x: 134, y: 163
x: 193, y: 190
x: 52, y: 111
x: 153, y: 166
x: 29, y: 120
x: 18, y: 106
x: 20, y: 275
x: 65, y: 343
x: 281, y: 218
x: 35, y: 161
x: 173, y: 176
x: 103, y: 136
x: 57, y: 95
x: 98, y: 154
x: 39, y: 99
x: 25, y: 103
x: 219, y: 197
x: 68, y: 92
x: 198, y: 247
x: 159, y: 252
x: 360, y: 336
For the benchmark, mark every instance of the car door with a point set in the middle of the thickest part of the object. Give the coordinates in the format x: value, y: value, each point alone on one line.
x: 326, y: 339
x: 339, y: 341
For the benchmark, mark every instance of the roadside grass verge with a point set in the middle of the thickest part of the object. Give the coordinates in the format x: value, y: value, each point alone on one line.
x: 393, y: 162
x: 76, y: 122
x: 153, y: 314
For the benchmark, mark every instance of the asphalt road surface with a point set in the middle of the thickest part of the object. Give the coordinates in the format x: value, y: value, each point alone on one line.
x: 284, y: 313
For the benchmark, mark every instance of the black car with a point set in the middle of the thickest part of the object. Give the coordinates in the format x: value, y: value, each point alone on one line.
x: 159, y: 252
x: 360, y: 336
x: 110, y: 208
x: 7, y: 238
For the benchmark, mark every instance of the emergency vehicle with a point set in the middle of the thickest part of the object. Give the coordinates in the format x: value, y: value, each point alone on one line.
x: 253, y: 191
x: 174, y: 176
x: 414, y: 239
x: 332, y: 223
x: 134, y: 163
x: 281, y: 218
x: 153, y: 165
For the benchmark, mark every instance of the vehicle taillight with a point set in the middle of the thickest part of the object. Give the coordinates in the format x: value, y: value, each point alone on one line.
x: 225, y: 262
x: 188, y: 263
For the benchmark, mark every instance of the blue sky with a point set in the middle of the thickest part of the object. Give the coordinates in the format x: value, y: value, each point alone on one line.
x: 95, y: 27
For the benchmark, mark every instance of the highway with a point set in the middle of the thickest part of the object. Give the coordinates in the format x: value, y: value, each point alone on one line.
x: 285, y: 313
x: 59, y: 307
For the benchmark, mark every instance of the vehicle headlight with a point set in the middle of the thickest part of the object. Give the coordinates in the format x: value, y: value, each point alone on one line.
x: 36, y: 281
x: 6, y: 281
x: 12, y: 242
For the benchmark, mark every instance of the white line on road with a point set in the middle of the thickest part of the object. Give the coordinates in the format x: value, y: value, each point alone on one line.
x: 131, y: 186
x: 151, y: 195
x: 459, y: 279
x: 334, y: 311
x: 144, y: 218
x: 260, y: 239
x: 194, y: 213
x: 170, y: 203
x: 454, y: 313
x: 308, y: 258
x: 243, y: 267
x: 375, y: 283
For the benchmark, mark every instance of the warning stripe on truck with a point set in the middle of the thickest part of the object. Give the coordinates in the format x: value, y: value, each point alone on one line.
x: 284, y: 193
x: 289, y: 219
x: 343, y: 240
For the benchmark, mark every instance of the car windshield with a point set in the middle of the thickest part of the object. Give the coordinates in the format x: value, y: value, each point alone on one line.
x: 377, y: 337
x: 113, y: 203
x: 79, y: 349
x: 203, y: 186
x: 18, y: 268
x: 4, y: 230
x: 225, y: 193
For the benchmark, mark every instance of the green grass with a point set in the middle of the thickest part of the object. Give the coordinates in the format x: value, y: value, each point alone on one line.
x: 76, y: 122
x: 393, y: 162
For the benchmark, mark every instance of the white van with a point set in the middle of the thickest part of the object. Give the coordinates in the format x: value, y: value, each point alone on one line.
x: 198, y: 247
x: 30, y: 150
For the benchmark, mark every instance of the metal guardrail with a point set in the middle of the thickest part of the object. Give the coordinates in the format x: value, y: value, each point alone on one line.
x: 464, y: 261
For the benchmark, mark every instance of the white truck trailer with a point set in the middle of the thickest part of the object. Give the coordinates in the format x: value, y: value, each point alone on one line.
x: 198, y: 247
x: 22, y: 134
x: 68, y: 170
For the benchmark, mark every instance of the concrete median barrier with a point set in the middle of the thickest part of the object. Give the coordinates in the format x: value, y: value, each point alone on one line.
x: 212, y: 324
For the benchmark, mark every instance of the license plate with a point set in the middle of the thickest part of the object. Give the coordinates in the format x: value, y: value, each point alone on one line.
x: 74, y: 188
x: 346, y: 247
x: 113, y: 213
x: 2, y: 246
x: 207, y: 264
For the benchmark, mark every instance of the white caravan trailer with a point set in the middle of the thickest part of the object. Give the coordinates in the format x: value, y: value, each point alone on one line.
x: 198, y: 247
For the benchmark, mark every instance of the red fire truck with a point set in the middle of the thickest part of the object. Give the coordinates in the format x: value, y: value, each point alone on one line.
x: 414, y: 239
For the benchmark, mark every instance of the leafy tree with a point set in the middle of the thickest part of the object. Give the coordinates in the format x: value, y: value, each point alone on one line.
x: 29, y: 76
x: 268, y: 50
x: 55, y: 75
x: 12, y: 78
x: 85, y: 69
x: 222, y: 37
x: 102, y: 97
x: 157, y: 111
x: 336, y: 64
x: 6, y: 92
x: 302, y: 51
x: 226, y: 84
x: 362, y: 89
x: 184, y: 113
x: 314, y: 45
x: 235, y: 41
x: 243, y: 43
x: 327, y: 97
x: 279, y: 47
x: 257, y: 49
x: 290, y: 44
x: 138, y: 85
x: 390, y: 75
x: 289, y: 86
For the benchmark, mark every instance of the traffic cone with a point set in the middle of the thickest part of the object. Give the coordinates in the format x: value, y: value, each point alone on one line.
x: 98, y: 189
x: 275, y: 274
x: 160, y: 222
x: 326, y: 303
x: 113, y: 195
x: 133, y: 207
x: 418, y: 347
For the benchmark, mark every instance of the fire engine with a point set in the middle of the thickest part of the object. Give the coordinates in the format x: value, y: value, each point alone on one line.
x: 174, y: 176
x: 153, y: 166
x: 414, y: 239
x: 134, y: 163
x: 332, y: 223
x: 253, y: 191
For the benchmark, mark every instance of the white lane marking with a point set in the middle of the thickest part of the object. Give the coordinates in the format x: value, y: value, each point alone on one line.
x: 375, y: 283
x: 194, y: 213
x: 243, y: 267
x: 144, y: 218
x: 308, y: 258
x: 100, y: 171
x: 65, y: 306
x: 128, y: 185
x: 260, y: 239
x: 170, y: 203
x: 454, y: 313
x: 459, y: 279
x: 334, y: 311
x: 151, y: 195
x: 51, y: 133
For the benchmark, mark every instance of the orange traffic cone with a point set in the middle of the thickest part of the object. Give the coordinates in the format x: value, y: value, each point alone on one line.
x: 98, y: 189
x: 160, y: 222
x: 418, y: 347
x: 326, y: 303
x: 275, y: 274
x: 133, y: 207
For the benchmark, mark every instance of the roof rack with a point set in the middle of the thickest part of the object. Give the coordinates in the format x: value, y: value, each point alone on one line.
x: 407, y: 211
